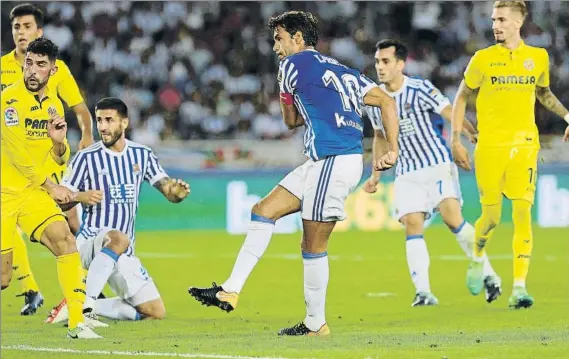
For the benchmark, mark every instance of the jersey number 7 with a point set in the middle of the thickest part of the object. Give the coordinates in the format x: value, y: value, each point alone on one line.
x: 348, y: 88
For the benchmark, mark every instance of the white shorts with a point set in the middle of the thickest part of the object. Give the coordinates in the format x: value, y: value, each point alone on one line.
x: 130, y: 280
x: 324, y: 185
x: 424, y: 189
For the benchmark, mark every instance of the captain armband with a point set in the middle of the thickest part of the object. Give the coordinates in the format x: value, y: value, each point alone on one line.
x: 286, y: 98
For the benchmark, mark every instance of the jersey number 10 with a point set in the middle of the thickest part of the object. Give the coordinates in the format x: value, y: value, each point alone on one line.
x: 348, y: 88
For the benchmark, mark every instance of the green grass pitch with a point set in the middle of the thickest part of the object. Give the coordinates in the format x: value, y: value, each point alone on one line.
x: 368, y: 306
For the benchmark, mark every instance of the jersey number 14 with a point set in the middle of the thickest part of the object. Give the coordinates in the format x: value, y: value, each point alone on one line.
x: 348, y: 88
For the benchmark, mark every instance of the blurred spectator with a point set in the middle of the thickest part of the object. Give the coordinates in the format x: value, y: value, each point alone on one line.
x: 206, y: 69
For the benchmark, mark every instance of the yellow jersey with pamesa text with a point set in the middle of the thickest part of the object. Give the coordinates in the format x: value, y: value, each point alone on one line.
x: 25, y: 142
x: 62, y: 81
x: 505, y: 105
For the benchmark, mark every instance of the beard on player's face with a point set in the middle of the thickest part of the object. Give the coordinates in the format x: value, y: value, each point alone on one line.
x: 109, y: 138
x: 34, y: 84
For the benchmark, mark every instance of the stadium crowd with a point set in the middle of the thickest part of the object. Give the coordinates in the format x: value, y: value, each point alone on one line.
x: 192, y: 70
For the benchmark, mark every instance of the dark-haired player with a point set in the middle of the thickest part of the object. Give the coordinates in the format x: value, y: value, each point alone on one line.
x: 426, y: 179
x: 326, y: 97
x: 30, y: 105
x: 27, y: 25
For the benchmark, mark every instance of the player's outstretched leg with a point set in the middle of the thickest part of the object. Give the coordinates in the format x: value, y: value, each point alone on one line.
x: 451, y: 213
x: 23, y: 272
x: 316, y: 276
x: 277, y: 204
x: 483, y: 230
x: 522, y: 247
x: 116, y: 308
x: 418, y: 259
x: 56, y: 236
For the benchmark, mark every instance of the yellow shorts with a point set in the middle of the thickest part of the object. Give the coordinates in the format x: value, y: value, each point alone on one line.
x: 33, y: 211
x: 511, y: 172
x: 53, y: 171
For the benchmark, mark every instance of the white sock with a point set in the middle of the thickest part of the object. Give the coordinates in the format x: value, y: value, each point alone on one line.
x: 100, y: 270
x: 520, y: 283
x: 257, y: 240
x: 418, y: 261
x: 116, y: 308
x: 316, y: 275
x: 465, y: 238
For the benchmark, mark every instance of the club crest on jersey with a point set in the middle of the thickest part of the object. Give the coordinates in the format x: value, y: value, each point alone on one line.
x: 529, y: 65
x: 136, y: 168
x: 11, y: 117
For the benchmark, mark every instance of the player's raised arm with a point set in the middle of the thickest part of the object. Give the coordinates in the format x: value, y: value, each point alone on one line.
x: 57, y: 131
x: 288, y: 79
x: 70, y: 93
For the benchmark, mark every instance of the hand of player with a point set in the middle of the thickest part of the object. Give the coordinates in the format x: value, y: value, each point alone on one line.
x: 370, y: 186
x: 86, y: 141
x: 566, y: 137
x: 460, y: 155
x: 90, y: 198
x: 56, y: 126
x: 386, y: 161
x: 177, y: 189
x: 59, y: 193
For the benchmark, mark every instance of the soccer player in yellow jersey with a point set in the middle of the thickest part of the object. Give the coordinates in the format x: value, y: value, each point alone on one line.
x: 27, y: 107
x: 509, y: 76
x: 27, y: 23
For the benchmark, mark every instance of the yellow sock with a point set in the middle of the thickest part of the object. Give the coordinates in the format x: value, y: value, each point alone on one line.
x: 70, y: 278
x: 523, y: 240
x: 484, y: 228
x: 21, y: 265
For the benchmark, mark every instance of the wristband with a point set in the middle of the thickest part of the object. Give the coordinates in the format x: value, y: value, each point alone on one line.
x: 286, y: 98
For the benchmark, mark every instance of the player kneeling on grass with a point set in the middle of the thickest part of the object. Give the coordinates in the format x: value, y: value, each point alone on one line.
x: 116, y: 167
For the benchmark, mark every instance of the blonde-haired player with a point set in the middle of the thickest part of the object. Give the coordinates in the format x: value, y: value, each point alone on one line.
x: 27, y: 25
x: 510, y: 76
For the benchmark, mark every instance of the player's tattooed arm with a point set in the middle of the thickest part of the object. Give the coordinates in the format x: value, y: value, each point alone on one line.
x: 175, y: 190
x: 551, y: 102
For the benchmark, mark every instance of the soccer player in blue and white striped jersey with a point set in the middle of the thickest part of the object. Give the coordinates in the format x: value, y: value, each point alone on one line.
x: 107, y: 178
x: 326, y: 97
x: 426, y: 177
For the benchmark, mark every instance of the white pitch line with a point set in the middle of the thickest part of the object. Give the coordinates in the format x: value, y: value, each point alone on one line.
x: 29, y: 348
x: 297, y: 256
x: 381, y: 294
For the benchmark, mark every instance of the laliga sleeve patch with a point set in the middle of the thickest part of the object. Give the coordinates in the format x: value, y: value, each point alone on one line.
x: 11, y: 117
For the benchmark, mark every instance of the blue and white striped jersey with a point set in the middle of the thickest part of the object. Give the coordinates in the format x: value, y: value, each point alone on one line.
x: 329, y: 96
x: 421, y: 144
x: 119, y: 175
